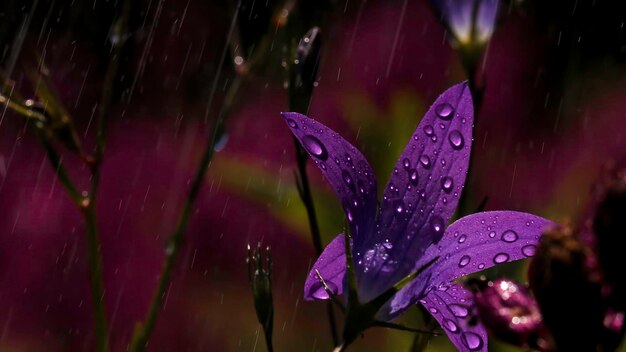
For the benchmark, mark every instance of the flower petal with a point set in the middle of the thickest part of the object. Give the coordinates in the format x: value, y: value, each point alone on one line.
x: 331, y: 266
x: 471, y: 244
x: 452, y: 305
x: 422, y: 193
x: 480, y: 241
x: 347, y: 170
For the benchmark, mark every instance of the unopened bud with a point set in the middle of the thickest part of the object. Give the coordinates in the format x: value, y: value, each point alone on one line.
x: 260, y: 280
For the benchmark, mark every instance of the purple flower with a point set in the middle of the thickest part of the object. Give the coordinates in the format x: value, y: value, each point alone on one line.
x: 409, y: 235
x: 469, y: 21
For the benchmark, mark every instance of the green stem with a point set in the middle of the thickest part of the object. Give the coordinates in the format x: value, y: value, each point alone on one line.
x: 174, y: 243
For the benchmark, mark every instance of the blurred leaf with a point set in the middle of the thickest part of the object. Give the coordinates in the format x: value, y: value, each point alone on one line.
x: 277, y: 191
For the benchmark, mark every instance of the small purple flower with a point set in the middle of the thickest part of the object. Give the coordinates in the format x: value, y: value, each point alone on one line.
x: 470, y: 21
x: 408, y: 235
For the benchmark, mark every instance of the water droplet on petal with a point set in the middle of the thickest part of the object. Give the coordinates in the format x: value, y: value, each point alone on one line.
x: 413, y: 177
x: 347, y: 179
x: 433, y: 310
x: 456, y: 140
x: 450, y: 325
x: 492, y: 234
x: 429, y: 130
x: 500, y: 258
x: 315, y: 147
x: 509, y: 236
x: 447, y: 183
x: 292, y: 123
x: 425, y: 161
x: 462, y: 238
x: 529, y: 250
x: 472, y: 341
x: 459, y: 311
x: 464, y: 261
x: 406, y: 163
x: 481, y: 266
x: 436, y: 224
x: 444, y: 111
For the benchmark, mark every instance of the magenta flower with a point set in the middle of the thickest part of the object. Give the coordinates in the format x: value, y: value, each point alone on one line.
x: 409, y: 232
x: 469, y: 21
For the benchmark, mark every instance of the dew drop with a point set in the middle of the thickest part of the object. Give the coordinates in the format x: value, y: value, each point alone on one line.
x: 444, y: 111
x: 413, y: 177
x: 436, y: 224
x: 464, y: 261
x: 509, y: 236
x: 472, y: 341
x: 406, y: 163
x: 292, y: 123
x: 458, y: 310
x: 315, y: 147
x: 446, y: 184
x: 450, y: 325
x: 429, y: 130
x: 492, y: 234
x: 456, y: 140
x: 433, y: 310
x: 462, y: 238
x: 500, y: 258
x: 481, y: 266
x: 425, y: 161
x: 347, y: 179
x: 529, y: 250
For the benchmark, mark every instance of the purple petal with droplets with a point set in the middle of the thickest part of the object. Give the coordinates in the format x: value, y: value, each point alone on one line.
x: 452, y: 306
x: 332, y: 268
x: 468, y: 246
x: 480, y: 241
x: 347, y: 170
x: 421, y: 195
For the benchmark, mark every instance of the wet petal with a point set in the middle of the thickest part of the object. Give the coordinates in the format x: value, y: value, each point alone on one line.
x: 422, y: 193
x: 452, y: 306
x: 480, y: 241
x: 347, y: 170
x: 331, y: 266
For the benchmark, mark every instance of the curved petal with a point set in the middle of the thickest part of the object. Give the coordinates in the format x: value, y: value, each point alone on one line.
x: 347, y: 170
x: 480, y: 241
x: 422, y: 193
x: 452, y: 306
x: 472, y: 243
x: 331, y: 266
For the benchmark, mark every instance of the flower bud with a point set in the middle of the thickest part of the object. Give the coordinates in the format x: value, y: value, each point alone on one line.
x: 260, y: 280
x: 510, y: 313
x: 471, y: 22
x: 563, y: 284
x: 303, y: 70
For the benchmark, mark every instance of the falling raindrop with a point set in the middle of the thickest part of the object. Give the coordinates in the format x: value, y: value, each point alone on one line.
x: 319, y: 292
